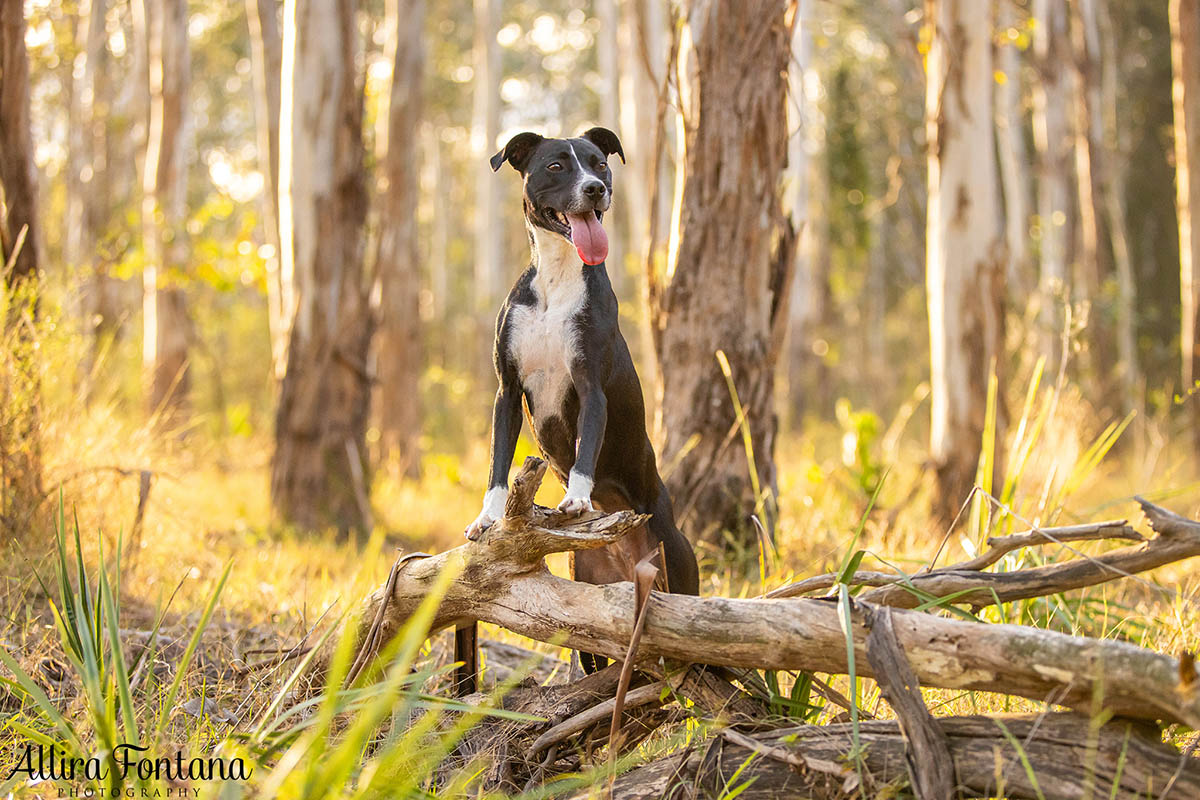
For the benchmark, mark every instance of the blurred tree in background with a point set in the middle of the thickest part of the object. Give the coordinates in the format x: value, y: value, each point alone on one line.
x: 20, y: 446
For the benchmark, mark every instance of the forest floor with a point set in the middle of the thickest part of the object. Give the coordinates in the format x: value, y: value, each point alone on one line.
x: 209, y: 507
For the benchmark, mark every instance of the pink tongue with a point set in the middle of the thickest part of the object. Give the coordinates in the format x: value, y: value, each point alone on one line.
x: 589, y: 238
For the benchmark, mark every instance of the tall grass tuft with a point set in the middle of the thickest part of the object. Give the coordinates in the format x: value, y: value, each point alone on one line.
x: 87, y: 620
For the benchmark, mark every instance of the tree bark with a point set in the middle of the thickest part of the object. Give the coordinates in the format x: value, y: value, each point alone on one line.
x: 728, y: 279
x: 17, y: 174
x: 20, y: 450
x: 1185, y: 89
x: 318, y: 473
x: 266, y: 48
x: 1052, y: 140
x: 167, y: 327
x: 965, y: 252
x: 396, y: 262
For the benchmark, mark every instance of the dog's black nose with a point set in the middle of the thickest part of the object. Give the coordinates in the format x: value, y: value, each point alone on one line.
x: 594, y: 189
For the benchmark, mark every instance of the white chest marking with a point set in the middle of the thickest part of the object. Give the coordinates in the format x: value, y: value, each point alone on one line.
x: 543, y: 340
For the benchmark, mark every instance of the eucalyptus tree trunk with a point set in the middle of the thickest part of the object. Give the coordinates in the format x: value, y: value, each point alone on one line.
x: 318, y: 474
x: 965, y: 252
x: 397, y: 263
x: 644, y: 188
x: 1185, y: 62
x: 485, y: 129
x: 166, y: 325
x: 1052, y: 140
x: 1116, y: 148
x: 20, y: 451
x: 78, y: 244
x: 266, y: 47
x: 1088, y: 132
x: 1014, y: 160
x: 19, y: 196
x: 725, y: 297
x: 88, y: 185
x: 805, y: 189
x: 608, y: 58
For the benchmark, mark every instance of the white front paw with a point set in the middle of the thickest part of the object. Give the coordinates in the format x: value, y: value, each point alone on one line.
x: 493, y: 509
x: 575, y: 505
x: 481, y: 524
x: 579, y: 494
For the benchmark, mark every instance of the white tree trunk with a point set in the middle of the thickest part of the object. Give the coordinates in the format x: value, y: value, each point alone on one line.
x: 318, y: 476
x: 1014, y: 160
x: 485, y: 130
x: 643, y: 63
x: 166, y: 324
x: 608, y: 15
x: 79, y: 244
x: 266, y: 48
x: 965, y: 250
x: 397, y: 264
x: 803, y: 183
x: 1052, y: 139
x: 88, y: 193
x: 1185, y: 61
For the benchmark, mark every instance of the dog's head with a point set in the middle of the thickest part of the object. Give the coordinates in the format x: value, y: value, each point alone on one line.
x: 568, y: 185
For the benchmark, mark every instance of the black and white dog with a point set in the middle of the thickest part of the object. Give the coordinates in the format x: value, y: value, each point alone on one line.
x: 558, y: 347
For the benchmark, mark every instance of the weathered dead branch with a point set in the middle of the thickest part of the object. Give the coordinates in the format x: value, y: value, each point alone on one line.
x: 1068, y: 758
x: 930, y: 767
x: 1179, y: 539
x: 503, y: 580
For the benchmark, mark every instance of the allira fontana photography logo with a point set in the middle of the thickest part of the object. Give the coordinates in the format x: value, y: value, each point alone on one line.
x: 127, y: 763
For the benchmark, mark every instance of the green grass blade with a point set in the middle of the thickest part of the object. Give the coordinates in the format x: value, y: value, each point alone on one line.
x: 168, y: 703
x: 117, y: 655
x: 43, y: 703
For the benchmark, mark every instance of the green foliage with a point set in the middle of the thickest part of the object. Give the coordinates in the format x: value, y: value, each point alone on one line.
x: 860, y: 435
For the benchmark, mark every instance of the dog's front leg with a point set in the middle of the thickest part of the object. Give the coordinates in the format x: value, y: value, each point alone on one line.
x: 506, y: 426
x: 593, y: 416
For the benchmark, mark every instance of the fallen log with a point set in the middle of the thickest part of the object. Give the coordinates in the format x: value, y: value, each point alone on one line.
x: 502, y: 579
x: 1058, y: 755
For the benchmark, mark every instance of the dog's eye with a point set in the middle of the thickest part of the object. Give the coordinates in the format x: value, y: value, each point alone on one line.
x: 602, y: 167
x: 554, y: 167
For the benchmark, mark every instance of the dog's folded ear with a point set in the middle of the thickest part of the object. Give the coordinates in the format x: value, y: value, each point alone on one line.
x: 517, y: 151
x: 606, y: 140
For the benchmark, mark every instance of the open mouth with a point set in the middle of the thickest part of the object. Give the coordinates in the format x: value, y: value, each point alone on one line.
x: 585, y: 232
x: 565, y: 222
